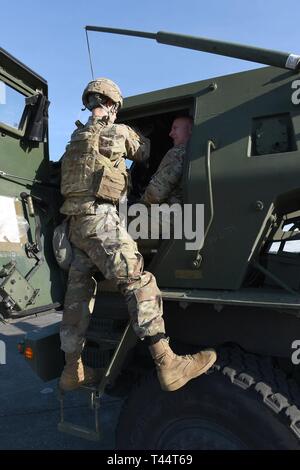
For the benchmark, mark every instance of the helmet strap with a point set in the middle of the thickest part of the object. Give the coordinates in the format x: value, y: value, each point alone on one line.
x: 109, y: 107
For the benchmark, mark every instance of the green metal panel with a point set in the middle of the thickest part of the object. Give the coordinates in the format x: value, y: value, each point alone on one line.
x: 25, y: 169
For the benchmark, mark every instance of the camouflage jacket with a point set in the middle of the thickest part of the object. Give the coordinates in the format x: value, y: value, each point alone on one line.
x: 116, y: 142
x: 166, y: 184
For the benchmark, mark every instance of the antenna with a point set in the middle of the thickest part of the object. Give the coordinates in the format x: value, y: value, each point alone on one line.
x: 89, y: 51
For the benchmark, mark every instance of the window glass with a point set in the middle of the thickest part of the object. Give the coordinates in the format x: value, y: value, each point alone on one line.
x: 12, y: 104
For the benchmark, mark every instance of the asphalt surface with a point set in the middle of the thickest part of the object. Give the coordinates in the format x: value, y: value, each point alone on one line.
x: 29, y: 407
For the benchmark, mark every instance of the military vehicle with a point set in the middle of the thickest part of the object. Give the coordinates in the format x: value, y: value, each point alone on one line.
x: 237, y: 289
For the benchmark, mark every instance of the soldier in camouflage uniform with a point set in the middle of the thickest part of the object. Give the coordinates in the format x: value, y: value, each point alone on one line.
x: 166, y: 184
x: 93, y: 180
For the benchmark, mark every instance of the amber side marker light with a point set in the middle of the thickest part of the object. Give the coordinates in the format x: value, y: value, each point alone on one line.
x: 28, y: 353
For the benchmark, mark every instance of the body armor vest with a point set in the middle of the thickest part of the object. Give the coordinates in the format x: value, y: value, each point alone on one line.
x: 93, y: 166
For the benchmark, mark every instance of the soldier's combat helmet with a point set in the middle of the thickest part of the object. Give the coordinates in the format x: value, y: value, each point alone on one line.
x: 98, y: 91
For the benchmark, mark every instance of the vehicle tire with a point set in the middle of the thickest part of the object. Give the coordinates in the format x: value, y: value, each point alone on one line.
x: 243, y: 402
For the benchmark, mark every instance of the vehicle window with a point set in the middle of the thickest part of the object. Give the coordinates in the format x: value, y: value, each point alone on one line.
x: 12, y: 104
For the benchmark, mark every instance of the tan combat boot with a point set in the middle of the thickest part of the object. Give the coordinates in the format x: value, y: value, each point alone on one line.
x: 75, y: 374
x: 175, y: 371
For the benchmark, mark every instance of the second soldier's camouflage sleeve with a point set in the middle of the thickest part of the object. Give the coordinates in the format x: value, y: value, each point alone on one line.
x: 166, y: 178
x: 137, y: 146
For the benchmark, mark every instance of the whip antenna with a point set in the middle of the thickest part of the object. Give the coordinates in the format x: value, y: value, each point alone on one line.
x: 89, y: 51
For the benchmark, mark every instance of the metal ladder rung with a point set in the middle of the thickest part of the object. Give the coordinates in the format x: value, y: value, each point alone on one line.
x: 128, y: 339
x: 79, y: 431
x: 76, y: 429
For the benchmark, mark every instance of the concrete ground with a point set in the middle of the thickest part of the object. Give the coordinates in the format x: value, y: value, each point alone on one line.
x: 29, y: 407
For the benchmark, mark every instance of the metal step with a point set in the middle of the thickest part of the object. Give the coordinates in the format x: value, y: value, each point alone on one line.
x: 112, y: 364
x: 75, y: 429
x: 270, y: 298
x: 79, y: 431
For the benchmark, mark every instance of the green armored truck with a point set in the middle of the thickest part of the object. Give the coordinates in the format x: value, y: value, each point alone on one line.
x: 237, y: 288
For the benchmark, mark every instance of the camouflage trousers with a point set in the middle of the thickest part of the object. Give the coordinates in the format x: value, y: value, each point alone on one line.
x: 100, y: 243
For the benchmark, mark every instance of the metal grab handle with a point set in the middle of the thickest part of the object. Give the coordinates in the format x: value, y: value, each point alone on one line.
x: 210, y: 145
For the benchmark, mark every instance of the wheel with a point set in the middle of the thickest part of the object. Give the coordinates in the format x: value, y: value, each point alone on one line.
x: 242, y: 403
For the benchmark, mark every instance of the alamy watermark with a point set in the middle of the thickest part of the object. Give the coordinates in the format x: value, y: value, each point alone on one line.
x: 295, y: 97
x: 159, y: 221
x: 296, y: 354
x: 2, y: 93
x: 2, y: 352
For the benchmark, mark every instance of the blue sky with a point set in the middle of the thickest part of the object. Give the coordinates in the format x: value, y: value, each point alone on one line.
x: 50, y: 38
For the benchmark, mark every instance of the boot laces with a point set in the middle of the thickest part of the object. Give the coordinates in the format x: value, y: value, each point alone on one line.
x: 189, y: 357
